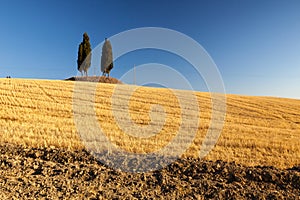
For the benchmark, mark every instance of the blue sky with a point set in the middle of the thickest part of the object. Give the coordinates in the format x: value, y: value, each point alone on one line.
x: 255, y: 44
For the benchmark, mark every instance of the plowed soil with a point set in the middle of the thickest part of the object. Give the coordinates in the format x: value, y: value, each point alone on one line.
x: 53, y: 173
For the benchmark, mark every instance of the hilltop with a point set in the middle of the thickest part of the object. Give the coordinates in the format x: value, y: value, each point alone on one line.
x: 99, y: 79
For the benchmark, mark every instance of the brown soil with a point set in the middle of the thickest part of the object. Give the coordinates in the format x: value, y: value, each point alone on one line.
x: 56, y: 173
x: 100, y: 79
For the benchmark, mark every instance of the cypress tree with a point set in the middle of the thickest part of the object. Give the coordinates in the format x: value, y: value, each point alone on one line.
x: 84, y: 55
x: 106, y: 58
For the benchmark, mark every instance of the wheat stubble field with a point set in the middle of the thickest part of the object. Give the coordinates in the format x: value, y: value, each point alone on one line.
x: 262, y: 131
x: 257, y: 130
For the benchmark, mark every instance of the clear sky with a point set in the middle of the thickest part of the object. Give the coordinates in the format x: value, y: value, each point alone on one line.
x: 255, y: 44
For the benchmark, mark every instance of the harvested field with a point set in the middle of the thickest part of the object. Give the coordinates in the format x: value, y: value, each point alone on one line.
x: 257, y: 155
x: 257, y: 130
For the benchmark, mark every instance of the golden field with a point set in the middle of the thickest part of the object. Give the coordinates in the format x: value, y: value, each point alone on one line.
x: 257, y: 130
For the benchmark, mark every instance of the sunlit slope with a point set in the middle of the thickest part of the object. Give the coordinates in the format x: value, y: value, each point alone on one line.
x: 257, y: 131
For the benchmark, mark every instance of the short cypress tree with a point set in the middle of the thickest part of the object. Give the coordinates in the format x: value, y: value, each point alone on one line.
x: 106, y: 58
x: 84, y: 55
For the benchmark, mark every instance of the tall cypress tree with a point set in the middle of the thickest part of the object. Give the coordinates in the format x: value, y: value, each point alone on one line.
x: 106, y: 58
x: 84, y: 55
